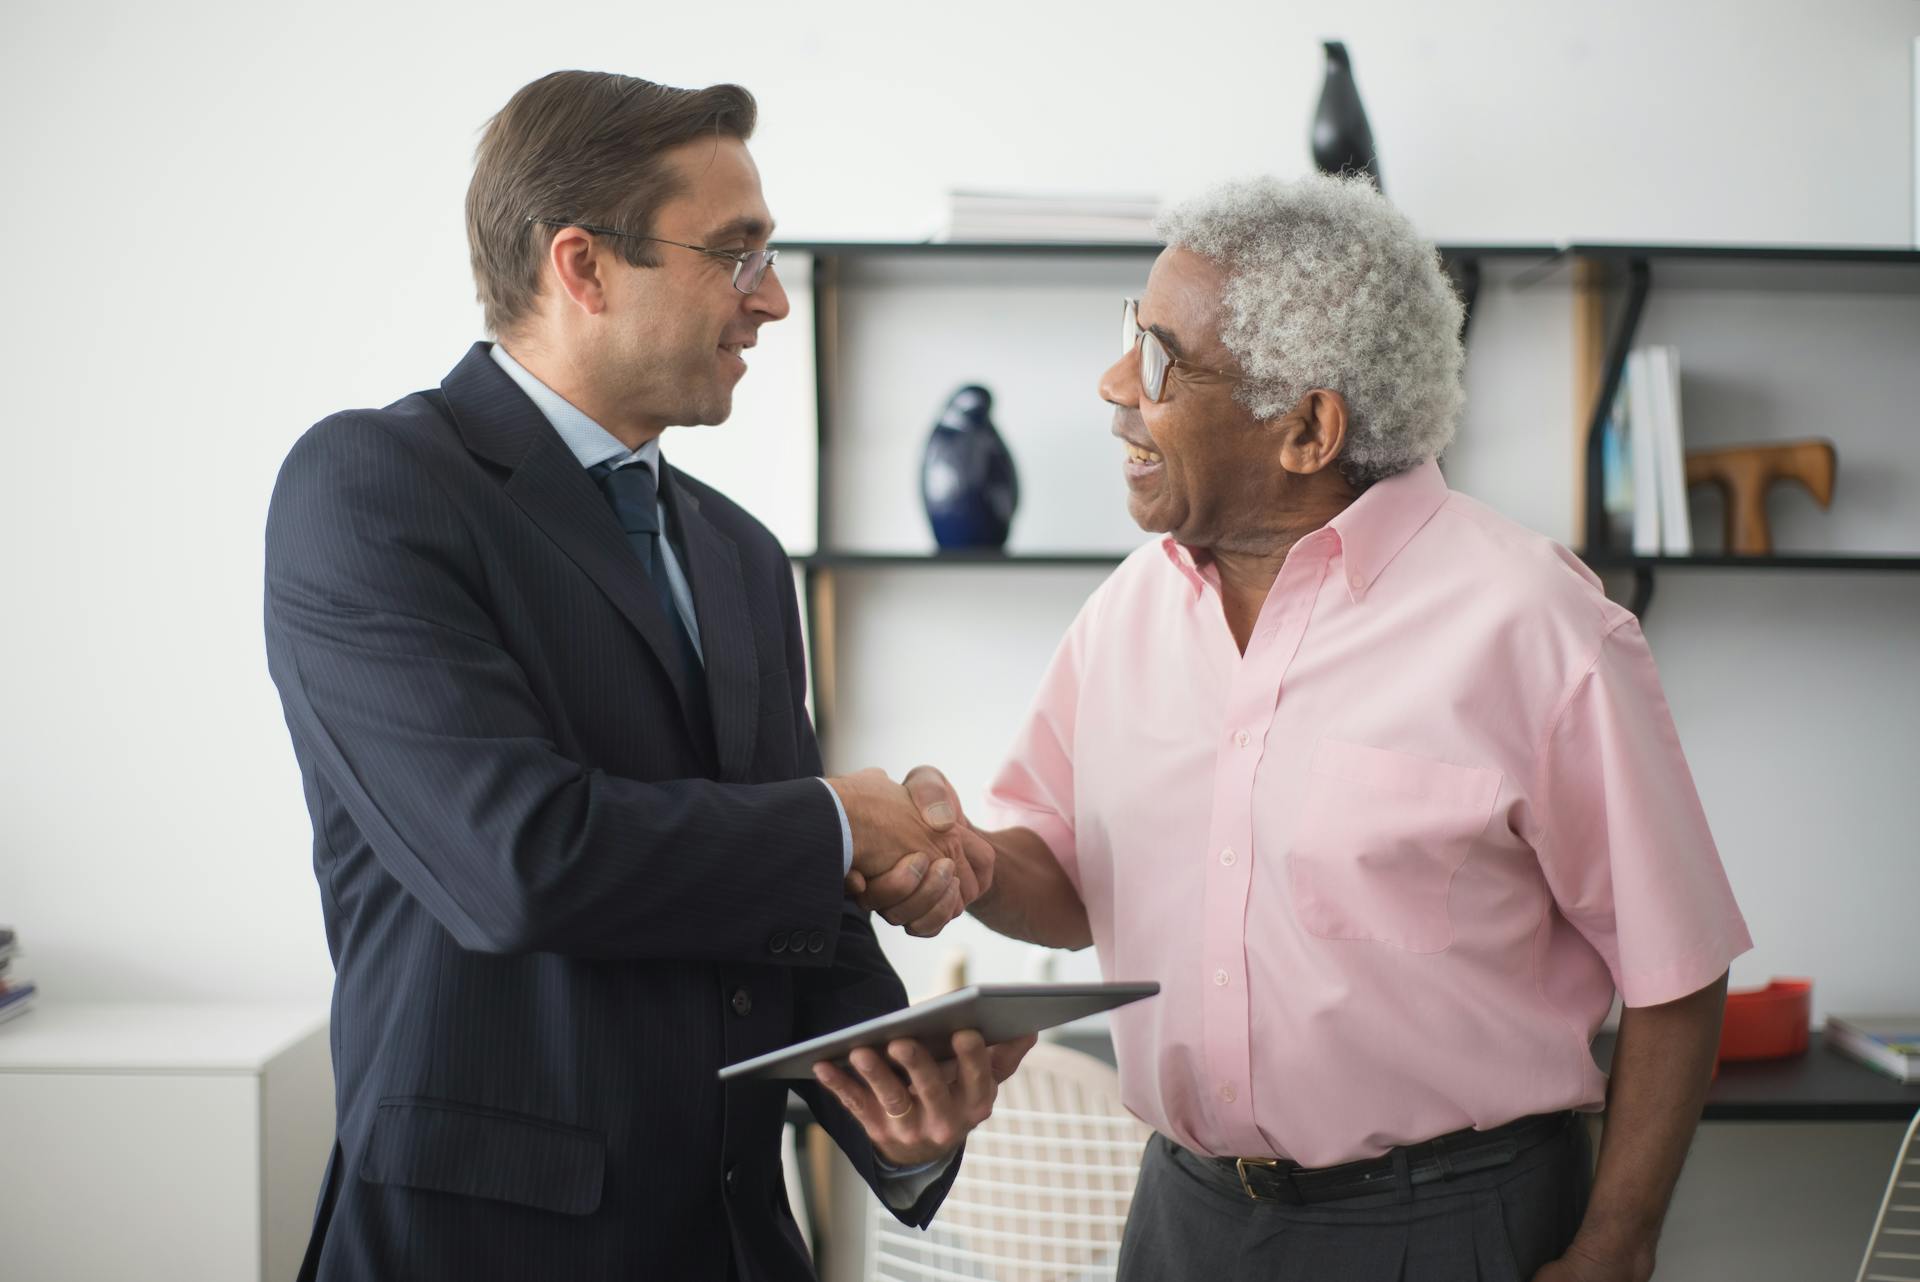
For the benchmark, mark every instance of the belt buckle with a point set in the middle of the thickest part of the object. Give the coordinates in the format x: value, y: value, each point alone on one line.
x: 1241, y: 1164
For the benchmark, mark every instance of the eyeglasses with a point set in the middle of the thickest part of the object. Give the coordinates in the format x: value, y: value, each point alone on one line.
x: 1155, y: 359
x: 749, y: 268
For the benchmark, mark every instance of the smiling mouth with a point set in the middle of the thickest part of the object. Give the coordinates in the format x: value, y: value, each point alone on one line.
x: 1140, y: 454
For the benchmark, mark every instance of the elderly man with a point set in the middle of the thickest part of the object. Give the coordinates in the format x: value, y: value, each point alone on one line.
x: 1378, y: 786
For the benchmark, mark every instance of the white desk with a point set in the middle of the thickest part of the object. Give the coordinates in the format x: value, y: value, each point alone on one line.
x: 162, y: 1142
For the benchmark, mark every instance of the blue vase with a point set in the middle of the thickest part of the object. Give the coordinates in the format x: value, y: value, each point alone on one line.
x: 967, y: 478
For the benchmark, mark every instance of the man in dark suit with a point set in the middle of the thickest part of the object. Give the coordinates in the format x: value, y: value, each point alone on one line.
x: 547, y: 696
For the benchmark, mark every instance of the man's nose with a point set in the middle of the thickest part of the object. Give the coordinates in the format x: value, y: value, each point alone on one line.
x: 769, y: 302
x: 1120, y: 384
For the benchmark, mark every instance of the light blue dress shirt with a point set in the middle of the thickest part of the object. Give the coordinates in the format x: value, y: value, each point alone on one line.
x: 593, y: 445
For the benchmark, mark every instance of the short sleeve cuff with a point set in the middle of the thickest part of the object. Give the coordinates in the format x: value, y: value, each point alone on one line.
x: 1686, y: 976
x: 1047, y: 825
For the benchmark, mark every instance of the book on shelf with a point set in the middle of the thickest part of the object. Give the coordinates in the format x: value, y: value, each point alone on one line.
x: 16, y: 990
x: 16, y: 998
x: 1645, y: 479
x: 1676, y: 526
x: 1890, y: 1043
x: 1043, y: 216
x: 1616, y: 475
x: 1643, y: 454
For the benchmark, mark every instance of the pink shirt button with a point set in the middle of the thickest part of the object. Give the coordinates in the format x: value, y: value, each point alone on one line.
x: 1220, y: 978
x: 1241, y: 738
x: 1227, y: 856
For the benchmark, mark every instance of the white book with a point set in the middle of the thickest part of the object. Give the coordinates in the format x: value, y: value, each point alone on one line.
x: 1642, y: 444
x: 1676, y: 526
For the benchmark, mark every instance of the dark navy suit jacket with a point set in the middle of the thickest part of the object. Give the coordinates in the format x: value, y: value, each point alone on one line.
x: 559, y: 894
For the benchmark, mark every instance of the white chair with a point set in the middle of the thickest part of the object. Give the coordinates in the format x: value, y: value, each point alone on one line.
x: 1043, y: 1192
x: 1893, y: 1248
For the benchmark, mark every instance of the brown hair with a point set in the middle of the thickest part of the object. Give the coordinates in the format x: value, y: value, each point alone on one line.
x: 579, y: 146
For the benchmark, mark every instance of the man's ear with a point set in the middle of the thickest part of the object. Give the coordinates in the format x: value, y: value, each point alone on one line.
x: 1313, y: 432
x: 576, y: 260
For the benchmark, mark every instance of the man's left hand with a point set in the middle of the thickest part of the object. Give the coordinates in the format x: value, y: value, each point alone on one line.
x: 927, y: 1115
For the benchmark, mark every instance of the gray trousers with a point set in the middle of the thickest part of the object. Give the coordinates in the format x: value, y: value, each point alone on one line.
x: 1191, y: 1219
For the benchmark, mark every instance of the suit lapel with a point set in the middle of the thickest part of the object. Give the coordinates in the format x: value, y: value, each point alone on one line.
x: 726, y: 629
x: 498, y: 422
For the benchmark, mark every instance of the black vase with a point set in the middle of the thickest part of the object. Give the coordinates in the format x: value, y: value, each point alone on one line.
x: 967, y: 478
x: 1342, y: 142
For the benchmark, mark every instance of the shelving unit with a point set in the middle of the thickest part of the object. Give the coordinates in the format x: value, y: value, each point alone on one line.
x: 1621, y: 275
x: 832, y: 261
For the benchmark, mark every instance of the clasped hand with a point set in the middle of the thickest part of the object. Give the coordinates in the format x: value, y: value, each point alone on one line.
x: 916, y: 861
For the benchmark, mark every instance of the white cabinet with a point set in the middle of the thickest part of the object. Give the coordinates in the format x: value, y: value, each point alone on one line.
x: 161, y: 1142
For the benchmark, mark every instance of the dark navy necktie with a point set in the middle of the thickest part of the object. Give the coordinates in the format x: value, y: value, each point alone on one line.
x: 631, y: 492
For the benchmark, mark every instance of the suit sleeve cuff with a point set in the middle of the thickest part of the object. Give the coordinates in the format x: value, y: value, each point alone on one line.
x: 846, y: 834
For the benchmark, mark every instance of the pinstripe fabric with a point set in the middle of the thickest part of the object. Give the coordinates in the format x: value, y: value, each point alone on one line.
x: 558, y: 897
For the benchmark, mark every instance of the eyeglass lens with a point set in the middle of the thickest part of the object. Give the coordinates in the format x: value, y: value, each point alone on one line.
x: 751, y: 269
x: 1153, y: 354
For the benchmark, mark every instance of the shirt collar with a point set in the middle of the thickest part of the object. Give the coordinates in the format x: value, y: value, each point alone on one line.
x: 1380, y: 522
x: 1371, y: 531
x: 589, y: 442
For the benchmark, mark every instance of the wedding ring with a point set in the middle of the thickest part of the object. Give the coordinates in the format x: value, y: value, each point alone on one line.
x: 902, y: 1113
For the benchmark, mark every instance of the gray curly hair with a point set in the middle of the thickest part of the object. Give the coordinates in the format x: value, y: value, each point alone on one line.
x: 1328, y: 285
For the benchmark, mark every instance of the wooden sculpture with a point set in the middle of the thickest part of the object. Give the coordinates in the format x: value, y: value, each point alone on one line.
x: 1745, y: 473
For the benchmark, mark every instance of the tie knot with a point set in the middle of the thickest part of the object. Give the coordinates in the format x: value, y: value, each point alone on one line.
x: 632, y: 494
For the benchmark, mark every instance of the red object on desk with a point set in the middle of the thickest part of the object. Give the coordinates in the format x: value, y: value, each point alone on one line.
x: 1767, y: 1023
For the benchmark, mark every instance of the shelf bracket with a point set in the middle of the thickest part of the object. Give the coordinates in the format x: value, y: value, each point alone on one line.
x: 1642, y: 591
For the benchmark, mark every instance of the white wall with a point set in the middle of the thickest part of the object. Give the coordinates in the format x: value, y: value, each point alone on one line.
x: 227, y: 220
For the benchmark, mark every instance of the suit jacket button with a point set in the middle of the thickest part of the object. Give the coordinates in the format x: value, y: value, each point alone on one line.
x: 777, y: 944
x: 732, y: 1180
x: 799, y: 941
x: 817, y: 942
x: 742, y: 1002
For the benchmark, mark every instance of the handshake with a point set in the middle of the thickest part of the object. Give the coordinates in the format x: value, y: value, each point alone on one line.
x: 916, y: 860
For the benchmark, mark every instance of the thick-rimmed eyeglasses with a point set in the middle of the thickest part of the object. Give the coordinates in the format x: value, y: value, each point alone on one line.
x: 1155, y: 359
x: 749, y: 268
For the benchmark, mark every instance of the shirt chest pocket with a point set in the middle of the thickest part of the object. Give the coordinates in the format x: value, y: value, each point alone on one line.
x: 1380, y: 836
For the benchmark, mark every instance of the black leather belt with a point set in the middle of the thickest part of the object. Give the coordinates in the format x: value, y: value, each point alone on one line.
x: 1459, y: 1153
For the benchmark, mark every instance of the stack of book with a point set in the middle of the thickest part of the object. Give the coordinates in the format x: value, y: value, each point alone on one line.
x: 1030, y: 216
x: 1645, y: 480
x: 1890, y: 1043
x: 16, y: 990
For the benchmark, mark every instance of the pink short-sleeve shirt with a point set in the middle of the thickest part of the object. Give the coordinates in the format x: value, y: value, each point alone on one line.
x: 1391, y: 864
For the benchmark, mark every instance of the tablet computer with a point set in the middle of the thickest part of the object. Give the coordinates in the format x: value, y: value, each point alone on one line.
x: 1001, y: 1012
